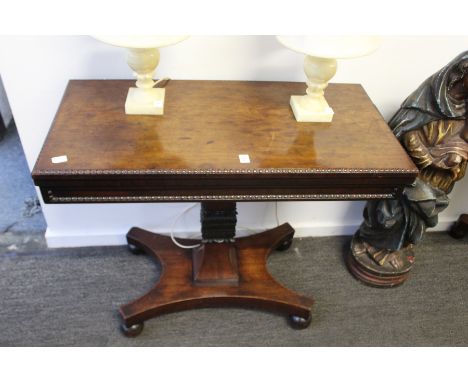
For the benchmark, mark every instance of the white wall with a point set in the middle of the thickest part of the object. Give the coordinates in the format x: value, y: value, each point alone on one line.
x: 35, y: 71
x: 5, y: 111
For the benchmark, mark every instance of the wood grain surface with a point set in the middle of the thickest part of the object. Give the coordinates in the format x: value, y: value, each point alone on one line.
x: 255, y: 288
x: 193, y: 149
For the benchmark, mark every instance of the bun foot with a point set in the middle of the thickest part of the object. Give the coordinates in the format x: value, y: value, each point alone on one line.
x: 134, y: 249
x: 285, y: 245
x: 297, y: 322
x: 132, y: 330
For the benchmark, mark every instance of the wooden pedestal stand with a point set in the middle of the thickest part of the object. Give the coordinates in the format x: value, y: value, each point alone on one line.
x: 221, y: 272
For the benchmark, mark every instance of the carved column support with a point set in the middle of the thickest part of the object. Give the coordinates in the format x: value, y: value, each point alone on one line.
x: 218, y: 221
x: 214, y: 262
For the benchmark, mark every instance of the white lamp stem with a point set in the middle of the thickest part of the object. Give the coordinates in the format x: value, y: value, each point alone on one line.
x: 319, y: 72
x: 313, y: 107
x: 144, y: 63
x: 144, y: 99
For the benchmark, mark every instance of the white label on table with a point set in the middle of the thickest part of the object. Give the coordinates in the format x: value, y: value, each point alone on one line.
x: 158, y: 103
x: 60, y: 159
x: 244, y: 158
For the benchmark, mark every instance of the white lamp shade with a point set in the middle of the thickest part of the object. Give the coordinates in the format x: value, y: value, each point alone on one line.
x: 331, y: 46
x: 140, y: 42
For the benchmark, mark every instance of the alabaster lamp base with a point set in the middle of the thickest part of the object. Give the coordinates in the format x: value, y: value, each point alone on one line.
x: 143, y: 57
x: 145, y: 101
x: 303, y: 112
x: 320, y: 66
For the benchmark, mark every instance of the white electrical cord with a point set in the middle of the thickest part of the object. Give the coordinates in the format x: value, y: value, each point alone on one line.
x: 161, y: 80
x: 276, y: 214
x: 173, y: 225
x: 253, y: 231
x: 193, y: 206
x: 248, y: 229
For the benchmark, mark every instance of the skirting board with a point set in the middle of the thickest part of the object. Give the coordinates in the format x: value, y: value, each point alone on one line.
x: 61, y: 239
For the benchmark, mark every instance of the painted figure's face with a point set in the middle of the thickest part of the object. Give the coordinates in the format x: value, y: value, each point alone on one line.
x: 459, y: 89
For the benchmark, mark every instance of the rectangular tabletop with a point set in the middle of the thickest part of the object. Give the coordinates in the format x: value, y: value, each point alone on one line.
x: 191, y: 152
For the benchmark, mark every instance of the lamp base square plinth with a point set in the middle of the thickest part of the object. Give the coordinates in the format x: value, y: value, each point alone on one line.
x: 145, y: 101
x: 304, y: 114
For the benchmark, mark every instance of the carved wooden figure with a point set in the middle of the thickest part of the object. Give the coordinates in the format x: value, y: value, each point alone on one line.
x: 432, y: 126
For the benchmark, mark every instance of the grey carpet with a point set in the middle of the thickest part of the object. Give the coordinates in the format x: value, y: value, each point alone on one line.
x: 19, y: 210
x: 70, y: 297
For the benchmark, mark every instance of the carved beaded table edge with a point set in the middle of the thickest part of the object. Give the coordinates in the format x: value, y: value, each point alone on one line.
x: 135, y: 153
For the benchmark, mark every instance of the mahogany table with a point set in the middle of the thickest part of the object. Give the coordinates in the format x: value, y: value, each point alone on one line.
x: 191, y: 154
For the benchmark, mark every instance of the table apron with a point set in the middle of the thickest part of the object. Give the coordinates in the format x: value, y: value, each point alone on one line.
x: 74, y: 195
